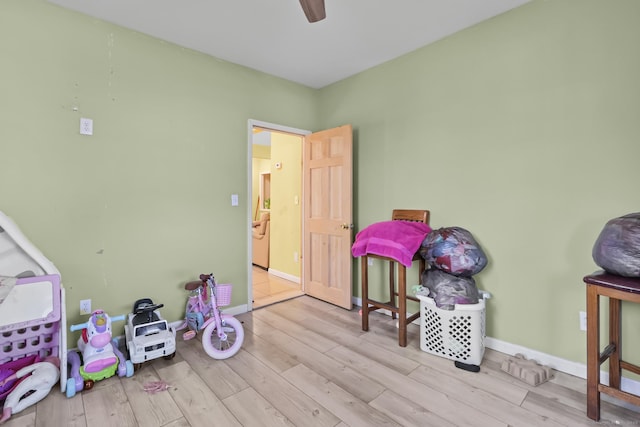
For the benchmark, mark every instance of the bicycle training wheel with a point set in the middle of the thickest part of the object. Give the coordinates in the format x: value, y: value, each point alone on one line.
x: 219, y: 349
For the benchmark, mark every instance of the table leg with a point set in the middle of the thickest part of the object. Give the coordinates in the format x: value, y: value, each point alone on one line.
x: 615, y: 316
x: 593, y: 352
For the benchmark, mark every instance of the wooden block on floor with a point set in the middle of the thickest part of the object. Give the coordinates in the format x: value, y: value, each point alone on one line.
x: 528, y: 371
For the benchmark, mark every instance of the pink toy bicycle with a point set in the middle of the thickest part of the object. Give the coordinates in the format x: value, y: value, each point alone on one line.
x: 222, y: 334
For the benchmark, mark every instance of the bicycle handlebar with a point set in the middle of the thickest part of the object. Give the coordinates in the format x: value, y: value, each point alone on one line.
x: 86, y: 324
x: 78, y: 327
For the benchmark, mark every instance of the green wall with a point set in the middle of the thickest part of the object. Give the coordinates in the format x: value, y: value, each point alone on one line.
x: 524, y: 130
x: 144, y: 204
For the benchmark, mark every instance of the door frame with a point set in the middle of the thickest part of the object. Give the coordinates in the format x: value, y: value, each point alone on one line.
x: 251, y: 123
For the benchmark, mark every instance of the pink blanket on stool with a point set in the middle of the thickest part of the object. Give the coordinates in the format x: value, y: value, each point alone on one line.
x: 398, y: 240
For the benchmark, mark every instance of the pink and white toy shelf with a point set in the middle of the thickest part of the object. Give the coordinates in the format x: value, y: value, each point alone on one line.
x: 32, y: 315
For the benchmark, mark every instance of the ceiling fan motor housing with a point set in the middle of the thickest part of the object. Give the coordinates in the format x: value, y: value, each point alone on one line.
x: 313, y: 9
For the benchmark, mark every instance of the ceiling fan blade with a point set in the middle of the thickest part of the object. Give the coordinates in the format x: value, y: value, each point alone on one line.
x: 313, y: 9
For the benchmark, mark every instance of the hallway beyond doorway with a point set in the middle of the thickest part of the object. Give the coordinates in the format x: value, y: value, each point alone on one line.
x: 269, y: 289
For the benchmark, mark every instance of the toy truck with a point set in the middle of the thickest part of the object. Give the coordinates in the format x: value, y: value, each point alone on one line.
x: 148, y: 335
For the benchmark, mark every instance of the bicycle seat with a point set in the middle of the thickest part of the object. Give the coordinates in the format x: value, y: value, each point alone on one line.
x: 192, y: 286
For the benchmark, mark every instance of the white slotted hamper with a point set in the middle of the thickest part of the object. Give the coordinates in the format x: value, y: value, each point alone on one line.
x: 456, y: 334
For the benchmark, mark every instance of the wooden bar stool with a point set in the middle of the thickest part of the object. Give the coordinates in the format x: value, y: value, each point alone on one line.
x: 617, y: 289
x: 398, y: 309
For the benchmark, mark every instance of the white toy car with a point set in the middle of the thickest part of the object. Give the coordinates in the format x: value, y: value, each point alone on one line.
x: 148, y: 335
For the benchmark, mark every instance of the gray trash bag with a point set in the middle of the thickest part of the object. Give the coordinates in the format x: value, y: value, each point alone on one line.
x: 454, y: 250
x: 447, y: 290
x: 617, y: 249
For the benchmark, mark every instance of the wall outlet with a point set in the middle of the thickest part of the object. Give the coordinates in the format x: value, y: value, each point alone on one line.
x: 296, y: 257
x: 85, y: 306
x: 583, y: 321
x: 86, y: 126
x: 370, y: 261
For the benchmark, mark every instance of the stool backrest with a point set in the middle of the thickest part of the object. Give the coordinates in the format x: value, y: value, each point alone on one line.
x: 415, y: 215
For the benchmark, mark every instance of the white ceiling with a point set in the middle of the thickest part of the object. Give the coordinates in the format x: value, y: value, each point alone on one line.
x: 273, y: 36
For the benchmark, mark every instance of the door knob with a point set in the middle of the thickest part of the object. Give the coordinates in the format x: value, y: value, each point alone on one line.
x: 346, y: 226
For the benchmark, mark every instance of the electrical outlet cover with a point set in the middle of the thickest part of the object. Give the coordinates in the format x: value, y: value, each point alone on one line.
x: 85, y: 306
x: 86, y: 126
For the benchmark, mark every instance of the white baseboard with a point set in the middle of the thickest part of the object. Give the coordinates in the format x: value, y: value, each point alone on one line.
x: 566, y: 366
x: 235, y: 310
x: 285, y: 276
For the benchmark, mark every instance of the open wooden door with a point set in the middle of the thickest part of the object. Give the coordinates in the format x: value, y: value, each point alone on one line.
x: 327, y: 215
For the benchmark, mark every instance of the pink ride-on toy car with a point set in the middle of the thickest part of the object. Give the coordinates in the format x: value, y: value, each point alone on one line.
x: 101, y: 357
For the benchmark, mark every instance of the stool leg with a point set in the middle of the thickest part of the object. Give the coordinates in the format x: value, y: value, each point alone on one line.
x: 593, y: 352
x: 392, y: 287
x: 402, y: 305
x: 615, y: 315
x: 365, y: 293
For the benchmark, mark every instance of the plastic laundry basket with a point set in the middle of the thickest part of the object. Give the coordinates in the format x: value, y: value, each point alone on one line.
x: 456, y: 334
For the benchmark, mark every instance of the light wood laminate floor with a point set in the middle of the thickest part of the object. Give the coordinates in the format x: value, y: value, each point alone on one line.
x: 269, y: 288
x: 308, y: 363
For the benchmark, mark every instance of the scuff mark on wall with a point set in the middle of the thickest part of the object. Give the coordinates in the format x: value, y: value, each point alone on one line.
x: 110, y: 45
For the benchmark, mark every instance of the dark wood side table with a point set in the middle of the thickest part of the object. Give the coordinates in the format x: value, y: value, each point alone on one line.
x: 617, y: 289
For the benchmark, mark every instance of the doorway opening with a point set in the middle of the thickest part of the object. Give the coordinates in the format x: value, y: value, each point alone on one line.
x: 275, y: 215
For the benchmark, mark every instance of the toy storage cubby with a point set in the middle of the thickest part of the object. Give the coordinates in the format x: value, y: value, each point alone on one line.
x: 33, y: 322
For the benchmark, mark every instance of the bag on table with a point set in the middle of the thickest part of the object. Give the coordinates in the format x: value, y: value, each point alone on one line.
x: 617, y: 249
